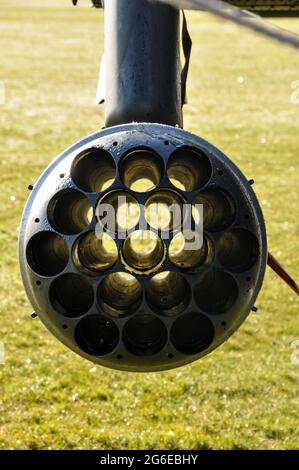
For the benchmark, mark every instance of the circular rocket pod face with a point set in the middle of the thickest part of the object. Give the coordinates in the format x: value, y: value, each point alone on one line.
x: 142, y: 247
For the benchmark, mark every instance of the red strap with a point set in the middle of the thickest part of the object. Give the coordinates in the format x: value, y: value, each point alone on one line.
x: 276, y: 266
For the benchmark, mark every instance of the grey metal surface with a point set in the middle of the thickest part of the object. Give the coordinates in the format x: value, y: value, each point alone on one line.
x: 142, y: 63
x: 40, y: 270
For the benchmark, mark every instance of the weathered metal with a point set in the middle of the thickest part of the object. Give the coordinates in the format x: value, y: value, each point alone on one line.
x: 142, y: 63
x: 138, y: 321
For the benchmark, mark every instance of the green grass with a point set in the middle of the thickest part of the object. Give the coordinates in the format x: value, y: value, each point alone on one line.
x: 245, y: 394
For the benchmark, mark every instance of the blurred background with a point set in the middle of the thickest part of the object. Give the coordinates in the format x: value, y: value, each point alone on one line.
x: 243, y: 395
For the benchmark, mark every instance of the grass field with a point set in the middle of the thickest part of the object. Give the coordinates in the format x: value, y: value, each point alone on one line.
x: 245, y: 394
